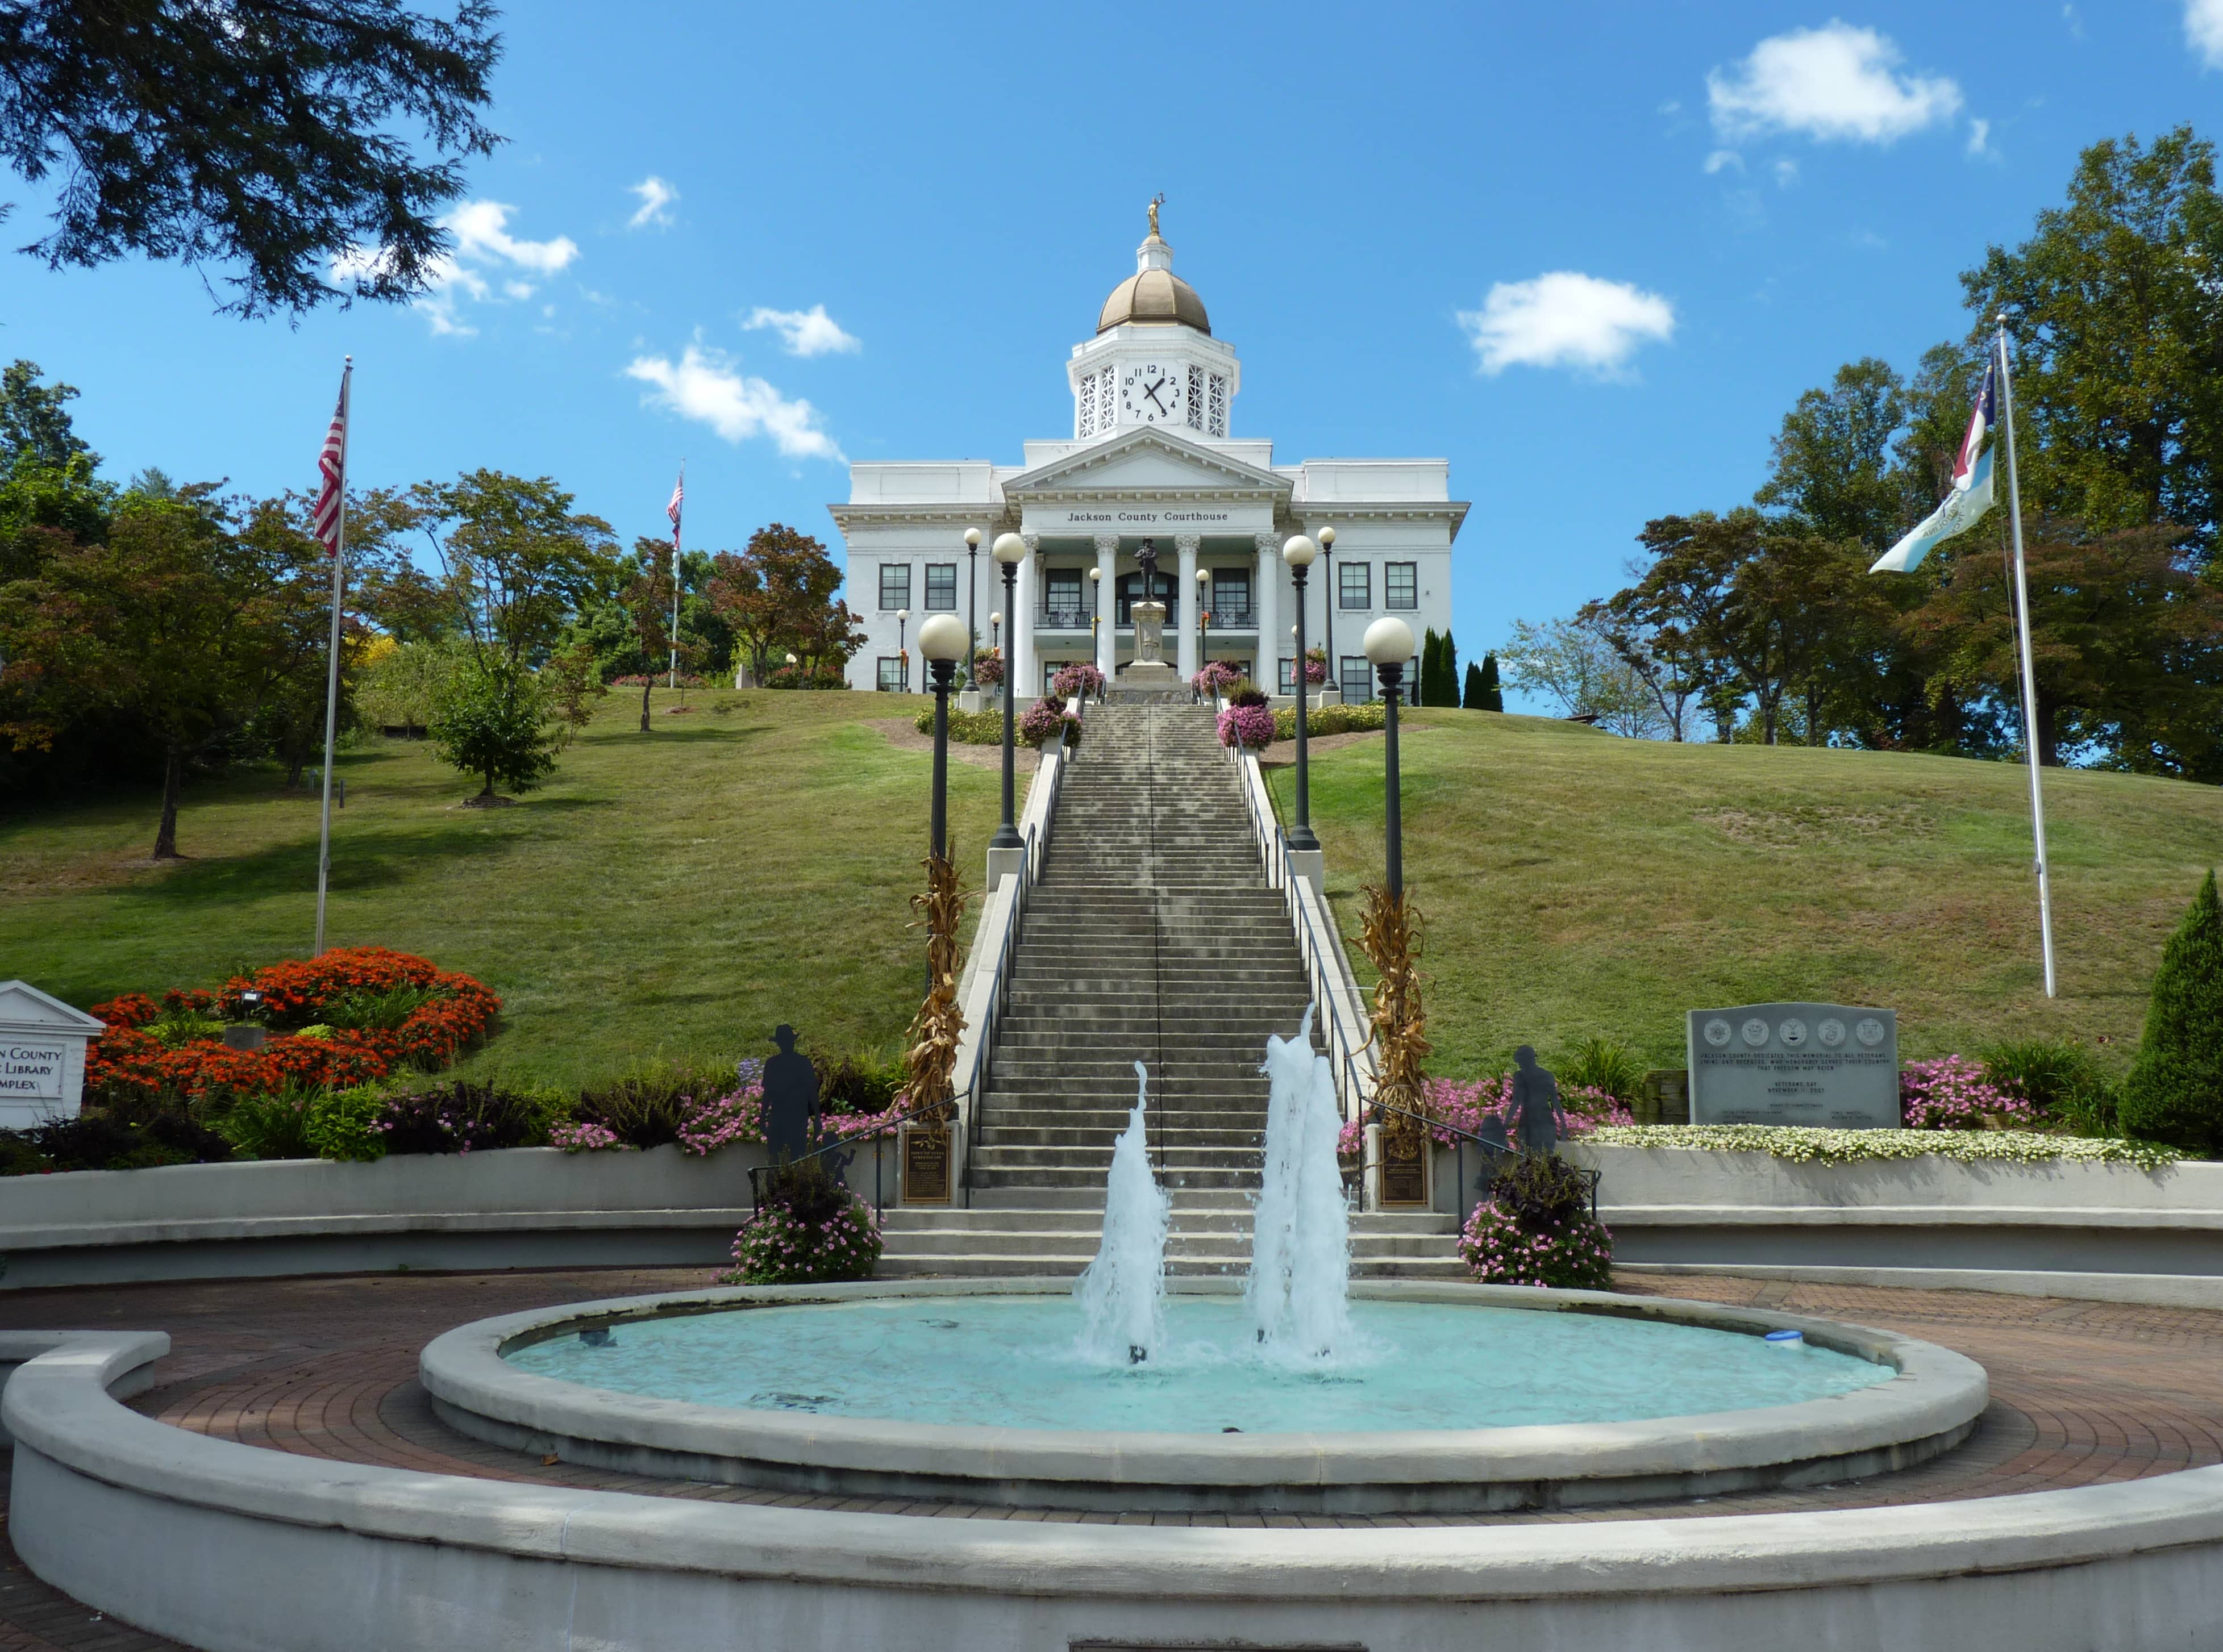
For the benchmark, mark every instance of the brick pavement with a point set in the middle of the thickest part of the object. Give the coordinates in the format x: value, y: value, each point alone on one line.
x: 2082, y: 1393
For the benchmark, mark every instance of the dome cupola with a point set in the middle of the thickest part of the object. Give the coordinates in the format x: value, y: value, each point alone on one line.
x: 1154, y: 295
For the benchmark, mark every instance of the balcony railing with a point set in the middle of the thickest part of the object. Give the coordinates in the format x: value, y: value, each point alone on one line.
x: 1225, y: 617
x: 1063, y: 619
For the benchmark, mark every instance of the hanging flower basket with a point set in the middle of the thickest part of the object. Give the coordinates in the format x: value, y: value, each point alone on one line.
x: 988, y: 669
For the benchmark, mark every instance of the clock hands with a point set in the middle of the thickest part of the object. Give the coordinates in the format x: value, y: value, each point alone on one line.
x: 1151, y: 391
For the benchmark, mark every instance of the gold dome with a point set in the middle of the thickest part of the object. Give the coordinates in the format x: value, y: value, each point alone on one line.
x: 1154, y: 296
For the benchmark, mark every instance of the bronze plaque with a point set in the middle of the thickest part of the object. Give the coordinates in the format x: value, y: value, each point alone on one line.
x: 926, y: 1167
x: 1404, y: 1170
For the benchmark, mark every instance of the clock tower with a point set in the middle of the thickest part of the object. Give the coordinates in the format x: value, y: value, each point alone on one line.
x: 1154, y: 362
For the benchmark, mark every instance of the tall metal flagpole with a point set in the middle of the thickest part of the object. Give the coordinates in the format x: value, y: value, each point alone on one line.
x: 2029, y: 670
x: 674, y: 683
x: 332, y: 671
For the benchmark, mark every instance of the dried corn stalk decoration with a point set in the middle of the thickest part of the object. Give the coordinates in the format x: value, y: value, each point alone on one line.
x: 931, y: 1057
x: 1389, y: 934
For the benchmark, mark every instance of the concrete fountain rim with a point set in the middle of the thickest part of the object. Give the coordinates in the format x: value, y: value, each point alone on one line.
x: 1929, y: 1405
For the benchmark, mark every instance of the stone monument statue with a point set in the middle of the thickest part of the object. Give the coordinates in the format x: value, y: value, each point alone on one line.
x: 1148, y: 672
x: 1536, y: 1112
x: 791, y: 1100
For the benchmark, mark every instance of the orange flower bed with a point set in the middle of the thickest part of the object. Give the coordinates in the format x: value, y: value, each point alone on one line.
x: 128, y: 1063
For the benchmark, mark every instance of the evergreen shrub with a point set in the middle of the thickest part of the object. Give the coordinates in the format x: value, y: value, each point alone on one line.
x: 2175, y: 1091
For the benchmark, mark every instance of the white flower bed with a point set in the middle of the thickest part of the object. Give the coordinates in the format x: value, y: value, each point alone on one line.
x: 1844, y: 1146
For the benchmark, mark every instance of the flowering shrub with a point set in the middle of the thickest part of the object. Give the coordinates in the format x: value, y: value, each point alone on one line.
x: 585, y: 1138
x: 1315, y: 665
x: 1249, y: 726
x: 1577, y: 1255
x: 809, y: 1230
x: 1466, y: 1107
x: 687, y: 680
x: 1078, y: 678
x: 1953, y: 1093
x: 1350, y: 1140
x: 1217, y: 678
x: 988, y: 668
x: 1044, y: 718
x: 434, y: 1015
x: 1534, y: 1228
x: 457, y: 1118
x: 863, y: 1126
x: 709, y: 1123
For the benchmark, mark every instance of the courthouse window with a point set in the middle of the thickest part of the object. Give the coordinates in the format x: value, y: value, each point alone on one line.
x: 941, y: 586
x: 1357, y: 581
x: 1288, y: 677
x: 895, y: 585
x: 1400, y: 585
x: 891, y: 675
x: 1357, y: 679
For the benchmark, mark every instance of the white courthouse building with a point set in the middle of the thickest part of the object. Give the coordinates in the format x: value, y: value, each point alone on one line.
x: 1152, y: 457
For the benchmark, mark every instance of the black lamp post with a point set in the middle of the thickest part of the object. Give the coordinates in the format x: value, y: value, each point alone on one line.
x: 903, y: 654
x: 1328, y: 598
x: 939, y: 640
x: 1389, y: 644
x: 1011, y: 550
x: 1203, y: 617
x: 1298, y: 553
x: 972, y: 604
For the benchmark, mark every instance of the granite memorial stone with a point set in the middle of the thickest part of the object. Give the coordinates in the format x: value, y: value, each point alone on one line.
x: 1831, y: 1066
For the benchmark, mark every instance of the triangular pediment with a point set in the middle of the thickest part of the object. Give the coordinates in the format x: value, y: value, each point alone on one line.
x: 23, y: 1007
x: 1146, y: 462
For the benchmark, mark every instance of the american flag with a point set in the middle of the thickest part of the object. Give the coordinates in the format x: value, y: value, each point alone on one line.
x: 1979, y: 420
x: 331, y: 465
x: 678, y: 497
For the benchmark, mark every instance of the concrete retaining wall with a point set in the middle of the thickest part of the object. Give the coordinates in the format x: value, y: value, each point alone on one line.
x: 2057, y: 1228
x: 523, y: 1207
x: 227, y: 1547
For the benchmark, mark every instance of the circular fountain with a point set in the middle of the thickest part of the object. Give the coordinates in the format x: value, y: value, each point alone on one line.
x: 1453, y: 1399
x: 1308, y: 1394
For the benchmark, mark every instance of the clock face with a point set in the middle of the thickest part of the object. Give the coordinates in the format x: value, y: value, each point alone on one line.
x: 1152, y: 394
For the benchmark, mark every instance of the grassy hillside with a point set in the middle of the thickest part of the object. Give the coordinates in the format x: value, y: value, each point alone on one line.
x: 669, y: 895
x: 1575, y: 882
x: 672, y: 896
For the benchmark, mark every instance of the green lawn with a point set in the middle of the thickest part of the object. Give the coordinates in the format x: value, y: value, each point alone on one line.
x: 1577, y: 883
x: 671, y: 896
x: 667, y: 896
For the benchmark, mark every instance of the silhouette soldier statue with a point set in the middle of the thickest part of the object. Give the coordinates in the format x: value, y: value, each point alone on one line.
x: 791, y: 1100
x: 1536, y: 1112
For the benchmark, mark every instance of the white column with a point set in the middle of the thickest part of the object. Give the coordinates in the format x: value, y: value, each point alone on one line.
x: 1266, y: 587
x: 1027, y: 682
x: 1107, y: 605
x: 1187, y: 544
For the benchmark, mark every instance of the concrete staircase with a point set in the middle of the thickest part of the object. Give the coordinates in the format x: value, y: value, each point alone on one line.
x: 1152, y: 936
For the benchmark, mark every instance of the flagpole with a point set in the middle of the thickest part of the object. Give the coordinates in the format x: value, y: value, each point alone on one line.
x: 675, y: 583
x: 332, y: 669
x: 2029, y: 669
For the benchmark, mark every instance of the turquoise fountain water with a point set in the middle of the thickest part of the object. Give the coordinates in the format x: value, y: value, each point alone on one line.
x: 1294, y: 1353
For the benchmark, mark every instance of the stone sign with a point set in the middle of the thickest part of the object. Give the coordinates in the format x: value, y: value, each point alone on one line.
x: 42, y: 1044
x: 1829, y: 1065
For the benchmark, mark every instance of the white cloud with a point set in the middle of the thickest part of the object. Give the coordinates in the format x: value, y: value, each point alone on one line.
x: 1566, y: 319
x: 1787, y: 173
x: 705, y: 385
x: 482, y: 232
x: 2203, y: 31
x: 1721, y: 158
x: 656, y: 200
x: 1980, y: 136
x: 482, y: 244
x: 805, y: 332
x: 1834, y: 82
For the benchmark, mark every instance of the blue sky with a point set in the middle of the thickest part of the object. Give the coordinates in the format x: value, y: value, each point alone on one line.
x: 1590, y: 253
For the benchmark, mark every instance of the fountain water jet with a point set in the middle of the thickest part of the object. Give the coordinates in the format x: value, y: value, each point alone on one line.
x: 1300, y: 1284
x: 1123, y: 1292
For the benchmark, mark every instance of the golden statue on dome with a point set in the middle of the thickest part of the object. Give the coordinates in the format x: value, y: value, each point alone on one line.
x: 1156, y: 201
